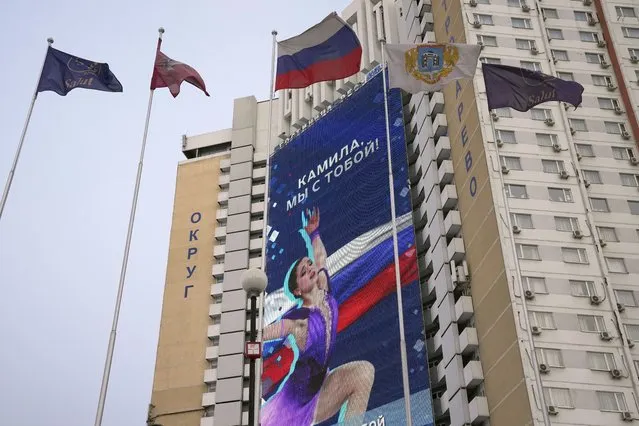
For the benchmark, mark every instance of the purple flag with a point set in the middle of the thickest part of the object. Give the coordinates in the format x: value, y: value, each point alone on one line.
x: 522, y: 89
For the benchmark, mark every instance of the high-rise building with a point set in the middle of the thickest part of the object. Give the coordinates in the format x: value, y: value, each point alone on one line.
x: 527, y: 223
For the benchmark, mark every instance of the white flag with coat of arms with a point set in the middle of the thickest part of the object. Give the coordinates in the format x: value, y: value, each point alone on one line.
x: 430, y: 66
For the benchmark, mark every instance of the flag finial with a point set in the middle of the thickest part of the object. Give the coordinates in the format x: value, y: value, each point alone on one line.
x: 274, y: 32
x: 50, y: 41
x: 161, y: 30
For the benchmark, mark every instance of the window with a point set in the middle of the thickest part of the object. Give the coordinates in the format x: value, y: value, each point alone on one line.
x: 633, y: 331
x: 601, y: 361
x: 511, y: 163
x: 527, y: 252
x: 616, y: 265
x: 483, y: 19
x: 625, y: 12
x: 543, y: 320
x: 621, y: 153
x: 629, y: 180
x: 601, y: 80
x: 595, y: 58
x: 558, y: 397
x: 522, y: 220
x: 546, y: 139
x: 612, y: 401
x: 506, y: 136
x: 566, y: 224
x: 574, y: 255
x: 483, y: 1
x: 608, y: 103
x: 608, y: 234
x: 532, y: 66
x: 581, y: 16
x: 630, y: 32
x: 536, y: 284
x: 490, y: 61
x: 560, y: 195
x: 503, y: 112
x: 588, y: 36
x: 555, y: 34
x: 514, y: 3
x: 516, y: 191
x: 614, y: 128
x: 524, y: 44
x: 585, y: 150
x: 599, y: 205
x: 560, y: 55
x: 523, y: 23
x: 552, y: 166
x: 634, y: 52
x: 550, y: 357
x: 578, y: 124
x: 550, y: 13
x: 487, y: 40
x: 568, y: 76
x: 540, y: 113
x: 580, y: 288
x: 592, y: 176
x: 626, y: 297
x: 591, y: 323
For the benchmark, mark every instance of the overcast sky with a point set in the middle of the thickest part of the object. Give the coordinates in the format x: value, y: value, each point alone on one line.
x: 63, y: 229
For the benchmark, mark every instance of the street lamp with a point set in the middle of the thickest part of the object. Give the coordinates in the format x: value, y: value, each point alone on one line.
x: 254, y: 283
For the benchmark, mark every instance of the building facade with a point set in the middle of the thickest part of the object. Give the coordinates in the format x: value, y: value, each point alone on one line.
x: 527, y: 224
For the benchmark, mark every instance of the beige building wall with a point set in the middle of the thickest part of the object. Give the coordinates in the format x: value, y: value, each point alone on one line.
x: 178, y: 383
x: 500, y: 353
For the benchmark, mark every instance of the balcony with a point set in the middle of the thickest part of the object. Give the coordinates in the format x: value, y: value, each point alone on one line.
x: 428, y: 289
x: 452, y: 223
x: 468, y: 341
x: 478, y: 409
x: 221, y: 216
x: 440, y: 126
x: 434, y: 345
x: 218, y: 252
x: 259, y: 173
x: 213, y: 330
x: 442, y: 149
x: 258, y: 190
x: 449, y: 198
x: 216, y: 289
x: 212, y: 352
x: 208, y: 399
x: 422, y: 238
x: 223, y: 198
x: 210, y: 375
x: 223, y: 181
x: 255, y: 244
x: 207, y: 421
x: 429, y: 37
x: 445, y: 172
x: 225, y: 164
x: 257, y: 226
x: 255, y: 262
x: 436, y: 103
x: 426, y: 23
x: 423, y: 6
x: 456, y: 250
x: 215, y: 309
x: 220, y: 233
x: 257, y: 207
x: 473, y: 374
x: 218, y: 270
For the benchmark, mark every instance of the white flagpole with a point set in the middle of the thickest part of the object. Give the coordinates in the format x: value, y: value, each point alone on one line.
x: 12, y: 172
x: 258, y: 378
x: 398, y: 283
x: 116, y: 313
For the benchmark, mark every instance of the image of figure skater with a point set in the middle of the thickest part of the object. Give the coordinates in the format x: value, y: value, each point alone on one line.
x: 311, y: 392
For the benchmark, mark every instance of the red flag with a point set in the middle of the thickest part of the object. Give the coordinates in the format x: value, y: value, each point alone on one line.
x: 171, y: 74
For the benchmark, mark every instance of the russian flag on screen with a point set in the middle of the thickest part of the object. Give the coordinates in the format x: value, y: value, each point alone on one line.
x: 328, y: 51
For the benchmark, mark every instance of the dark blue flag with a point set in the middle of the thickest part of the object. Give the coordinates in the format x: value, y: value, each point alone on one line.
x: 522, y: 89
x: 63, y: 72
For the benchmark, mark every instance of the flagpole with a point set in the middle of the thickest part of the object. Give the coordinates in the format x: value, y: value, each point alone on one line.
x: 398, y: 283
x: 258, y: 389
x: 12, y: 172
x: 116, y: 313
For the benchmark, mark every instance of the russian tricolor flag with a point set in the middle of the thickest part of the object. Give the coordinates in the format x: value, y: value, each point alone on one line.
x: 327, y: 51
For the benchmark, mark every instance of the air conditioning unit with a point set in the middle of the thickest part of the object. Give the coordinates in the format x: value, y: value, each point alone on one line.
x: 631, y: 344
x: 618, y: 110
x: 499, y: 142
x: 577, y: 234
x: 601, y: 43
x: 563, y: 174
x: 505, y: 170
x: 634, y: 161
x: 543, y: 368
x: 611, y: 86
x: 308, y: 97
x: 572, y: 130
x: 494, y: 116
x: 476, y: 23
x: 553, y: 410
x: 595, y: 300
x: 534, y: 50
x: 625, y: 134
x: 549, y: 122
x: 604, y: 335
x: 556, y: 147
x: 472, y: 3
x: 579, y: 157
x: 602, y: 243
x: 621, y: 307
x: 525, y: 7
x: 283, y: 136
x: 516, y: 229
x: 587, y: 2
x: 634, y: 59
x: 528, y: 294
x: 535, y: 330
x: 591, y: 20
x: 615, y: 373
x: 604, y: 64
x: 481, y: 44
x: 626, y: 416
x: 566, y: 106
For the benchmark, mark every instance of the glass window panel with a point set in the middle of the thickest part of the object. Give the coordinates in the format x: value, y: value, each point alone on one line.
x: 592, y: 176
x: 626, y: 297
x: 584, y: 150
x: 616, y: 265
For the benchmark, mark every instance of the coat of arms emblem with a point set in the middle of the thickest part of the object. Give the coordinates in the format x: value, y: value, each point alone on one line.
x: 431, y: 62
